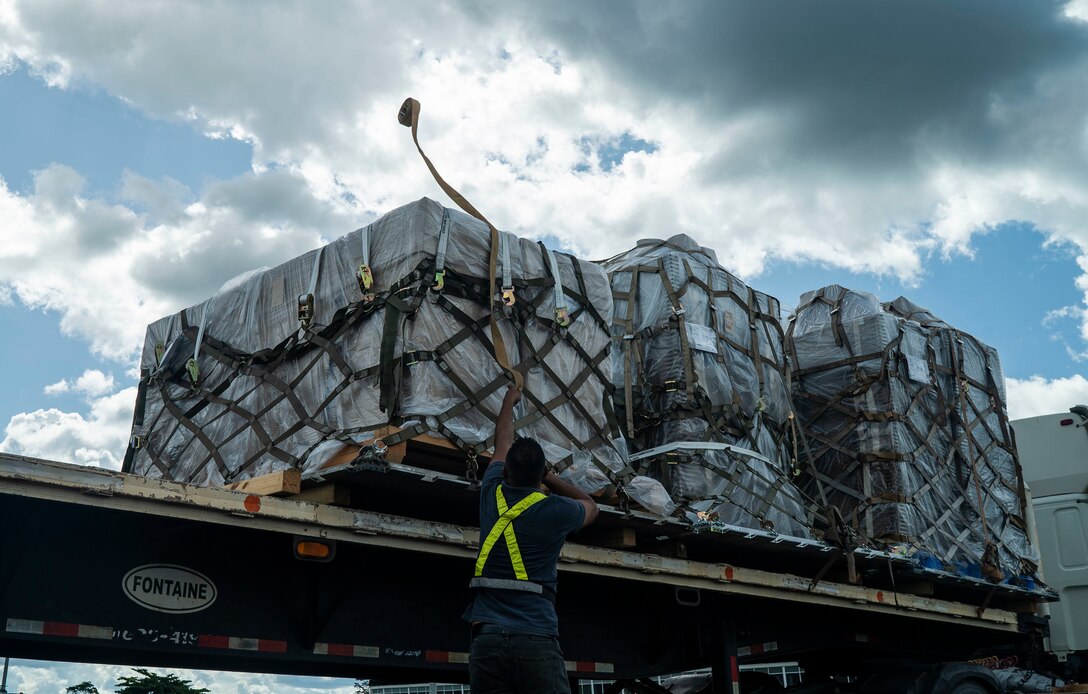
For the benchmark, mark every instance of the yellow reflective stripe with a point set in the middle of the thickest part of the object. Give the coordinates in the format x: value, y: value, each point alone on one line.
x: 515, y: 553
x: 511, y: 541
x: 503, y: 528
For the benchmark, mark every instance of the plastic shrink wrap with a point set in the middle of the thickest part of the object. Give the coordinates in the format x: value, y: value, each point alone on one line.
x: 701, y: 390
x: 283, y: 366
x: 908, y: 433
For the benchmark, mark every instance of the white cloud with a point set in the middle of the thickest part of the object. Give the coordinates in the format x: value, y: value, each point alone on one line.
x: 98, y: 439
x: 61, y: 386
x: 36, y: 677
x: 861, y: 152
x: 93, y: 383
x: 109, y: 271
x: 1077, y: 9
x: 1034, y: 396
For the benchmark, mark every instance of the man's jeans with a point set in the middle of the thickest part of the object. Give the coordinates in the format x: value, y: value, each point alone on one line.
x: 516, y: 664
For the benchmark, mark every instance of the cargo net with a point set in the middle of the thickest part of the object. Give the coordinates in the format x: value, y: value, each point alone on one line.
x: 391, y: 325
x: 701, y: 387
x: 909, y: 437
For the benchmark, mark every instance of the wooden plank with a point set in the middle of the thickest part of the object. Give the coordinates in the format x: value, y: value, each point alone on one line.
x: 397, y: 452
x: 616, y: 538
x: 342, y: 457
x: 328, y: 493
x: 278, y: 483
x: 927, y: 588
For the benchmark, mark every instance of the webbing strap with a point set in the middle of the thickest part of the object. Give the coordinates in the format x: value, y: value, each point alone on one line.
x: 192, y: 367
x: 409, y: 117
x: 315, y: 273
x: 443, y: 243
x: 503, y: 528
x: 559, y: 297
x: 504, y: 249
x: 365, y: 273
x: 200, y: 330
x: 364, y: 241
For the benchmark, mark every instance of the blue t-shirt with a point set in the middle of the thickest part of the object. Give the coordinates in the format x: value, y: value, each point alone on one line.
x: 541, y: 531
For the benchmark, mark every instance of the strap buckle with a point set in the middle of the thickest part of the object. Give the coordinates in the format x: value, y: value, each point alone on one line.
x: 160, y: 350
x: 136, y: 443
x: 305, y: 309
x: 366, y: 282
x: 439, y: 280
x: 508, y: 298
x: 562, y: 317
x: 193, y: 369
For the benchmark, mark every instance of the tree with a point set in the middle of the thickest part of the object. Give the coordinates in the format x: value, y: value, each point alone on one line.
x: 82, y: 688
x: 150, y: 683
x: 362, y: 686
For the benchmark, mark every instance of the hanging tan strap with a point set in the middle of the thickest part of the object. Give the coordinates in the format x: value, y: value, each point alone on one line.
x: 409, y: 118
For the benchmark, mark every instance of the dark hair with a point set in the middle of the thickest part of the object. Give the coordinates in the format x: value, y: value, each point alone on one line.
x: 525, y: 463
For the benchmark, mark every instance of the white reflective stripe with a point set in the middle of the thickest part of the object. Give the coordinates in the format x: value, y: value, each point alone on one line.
x: 25, y: 626
x: 560, y: 297
x: 243, y: 644
x: 506, y: 584
x: 701, y: 446
x: 504, y: 249
x: 316, y: 272
x: 364, y: 240
x: 86, y: 631
x: 443, y: 242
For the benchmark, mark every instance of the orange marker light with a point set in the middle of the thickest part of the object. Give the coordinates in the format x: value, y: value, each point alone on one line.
x: 310, y: 549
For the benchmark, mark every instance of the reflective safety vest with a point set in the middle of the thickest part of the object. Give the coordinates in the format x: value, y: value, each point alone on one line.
x: 504, y: 527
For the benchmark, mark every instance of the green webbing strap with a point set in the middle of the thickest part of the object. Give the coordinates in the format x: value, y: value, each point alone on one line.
x: 389, y: 379
x: 681, y: 327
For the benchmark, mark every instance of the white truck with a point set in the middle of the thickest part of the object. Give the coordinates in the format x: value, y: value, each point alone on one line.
x: 1054, y: 455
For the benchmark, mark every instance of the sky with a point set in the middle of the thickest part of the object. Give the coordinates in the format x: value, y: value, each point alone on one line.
x: 151, y: 151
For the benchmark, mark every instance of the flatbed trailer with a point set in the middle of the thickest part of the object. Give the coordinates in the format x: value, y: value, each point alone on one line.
x: 106, y: 567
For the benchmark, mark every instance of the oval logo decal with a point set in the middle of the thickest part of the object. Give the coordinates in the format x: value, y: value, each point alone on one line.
x: 169, y: 588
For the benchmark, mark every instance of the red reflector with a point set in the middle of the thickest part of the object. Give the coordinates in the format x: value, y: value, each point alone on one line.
x: 1066, y: 422
x: 59, y: 629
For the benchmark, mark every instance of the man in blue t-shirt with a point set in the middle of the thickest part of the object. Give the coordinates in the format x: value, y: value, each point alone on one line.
x: 515, y: 633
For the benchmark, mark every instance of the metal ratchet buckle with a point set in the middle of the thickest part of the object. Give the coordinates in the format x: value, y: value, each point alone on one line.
x: 305, y: 309
x: 193, y: 369
x: 366, y: 282
x: 439, y: 280
x: 562, y: 317
x: 508, y: 298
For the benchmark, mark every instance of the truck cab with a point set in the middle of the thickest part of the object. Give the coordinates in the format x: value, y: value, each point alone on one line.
x: 1054, y: 454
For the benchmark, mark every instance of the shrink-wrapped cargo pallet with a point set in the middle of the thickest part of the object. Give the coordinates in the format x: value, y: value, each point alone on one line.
x: 700, y: 376
x: 388, y: 324
x: 909, y: 439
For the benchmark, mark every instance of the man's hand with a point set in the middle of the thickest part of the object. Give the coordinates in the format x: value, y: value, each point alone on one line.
x: 512, y: 397
x: 504, y: 428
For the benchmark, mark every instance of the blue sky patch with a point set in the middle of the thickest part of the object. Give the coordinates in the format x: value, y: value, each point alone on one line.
x: 610, y: 152
x: 100, y: 136
x: 1001, y: 296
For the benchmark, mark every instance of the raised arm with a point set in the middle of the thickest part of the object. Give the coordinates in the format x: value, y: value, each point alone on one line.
x: 504, y: 429
x: 559, y: 486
